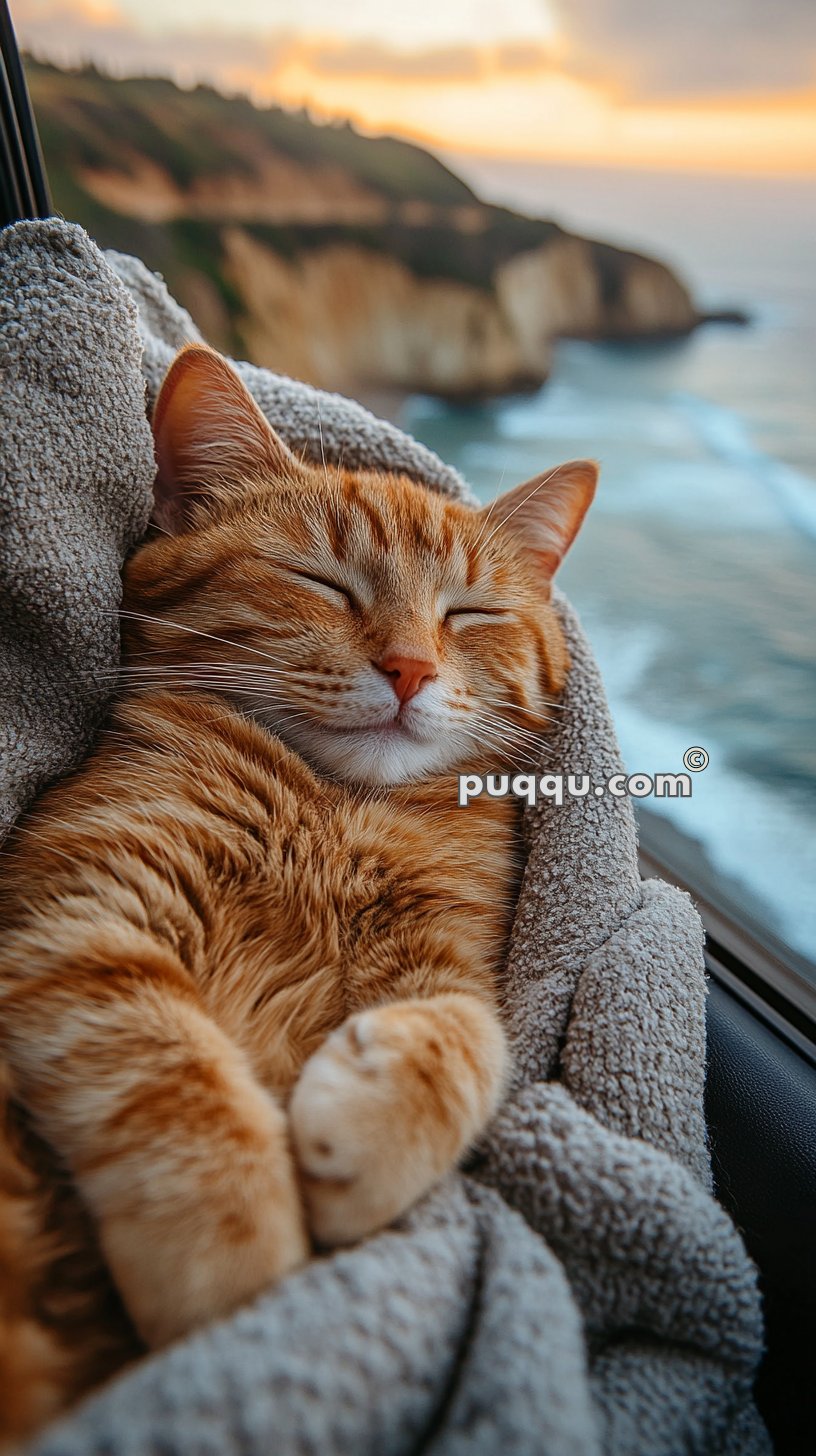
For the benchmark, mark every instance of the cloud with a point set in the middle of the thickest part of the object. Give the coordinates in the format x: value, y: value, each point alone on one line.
x: 668, y: 49
x: 266, y: 65
x: 72, y: 32
x: 640, y: 50
x: 372, y: 59
x: 451, y: 63
x: 521, y: 56
x: 82, y: 31
x: 704, y: 82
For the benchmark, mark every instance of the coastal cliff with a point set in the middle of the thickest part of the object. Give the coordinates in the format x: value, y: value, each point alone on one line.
x: 345, y: 316
x: 355, y: 263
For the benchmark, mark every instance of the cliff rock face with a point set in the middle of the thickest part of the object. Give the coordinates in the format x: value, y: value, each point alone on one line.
x: 583, y: 289
x: 356, y: 263
x: 278, y: 191
x: 346, y: 318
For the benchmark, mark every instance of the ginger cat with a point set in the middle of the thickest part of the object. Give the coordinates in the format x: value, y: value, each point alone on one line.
x: 251, y: 950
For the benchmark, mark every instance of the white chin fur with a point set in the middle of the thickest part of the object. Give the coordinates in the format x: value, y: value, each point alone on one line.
x: 370, y: 758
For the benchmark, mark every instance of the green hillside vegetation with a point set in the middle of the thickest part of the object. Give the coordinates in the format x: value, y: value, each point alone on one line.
x: 87, y: 119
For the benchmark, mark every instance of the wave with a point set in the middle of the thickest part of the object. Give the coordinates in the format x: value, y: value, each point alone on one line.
x: 772, y: 855
x: 727, y: 437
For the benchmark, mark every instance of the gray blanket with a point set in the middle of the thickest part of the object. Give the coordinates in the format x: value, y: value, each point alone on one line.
x: 577, y: 1289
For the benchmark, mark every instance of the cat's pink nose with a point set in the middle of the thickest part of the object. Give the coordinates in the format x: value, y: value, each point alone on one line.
x: 407, y: 674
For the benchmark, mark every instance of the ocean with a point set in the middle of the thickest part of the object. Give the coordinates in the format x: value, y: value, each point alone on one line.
x: 695, y: 574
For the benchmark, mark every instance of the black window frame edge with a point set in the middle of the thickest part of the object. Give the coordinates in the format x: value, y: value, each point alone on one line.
x: 760, y: 971
x: 24, y: 191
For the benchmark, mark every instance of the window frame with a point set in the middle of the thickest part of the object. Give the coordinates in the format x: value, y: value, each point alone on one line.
x: 24, y: 189
x: 753, y: 964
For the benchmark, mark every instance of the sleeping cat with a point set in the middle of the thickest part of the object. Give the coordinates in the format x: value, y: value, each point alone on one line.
x: 249, y: 970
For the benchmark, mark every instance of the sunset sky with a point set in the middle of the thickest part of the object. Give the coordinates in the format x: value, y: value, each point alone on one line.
x: 723, y: 85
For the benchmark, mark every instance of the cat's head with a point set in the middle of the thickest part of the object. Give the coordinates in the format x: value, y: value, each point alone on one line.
x: 385, y: 632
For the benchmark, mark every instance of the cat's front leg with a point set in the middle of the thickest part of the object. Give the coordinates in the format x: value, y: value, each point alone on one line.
x: 389, y: 1104
x: 180, y: 1155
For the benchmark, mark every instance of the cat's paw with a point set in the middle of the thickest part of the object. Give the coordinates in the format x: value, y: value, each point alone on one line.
x: 387, y: 1105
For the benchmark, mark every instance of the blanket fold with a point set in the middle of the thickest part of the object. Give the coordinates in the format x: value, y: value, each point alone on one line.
x: 576, y: 1290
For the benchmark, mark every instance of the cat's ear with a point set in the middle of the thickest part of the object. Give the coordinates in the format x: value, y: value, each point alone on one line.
x: 209, y: 435
x: 545, y: 513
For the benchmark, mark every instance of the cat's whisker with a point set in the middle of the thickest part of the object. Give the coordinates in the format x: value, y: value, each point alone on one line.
x: 503, y: 522
x: 486, y: 522
x: 276, y: 659
x: 195, y: 631
x: 288, y: 718
x: 148, y: 652
x: 492, y: 717
x: 232, y: 688
x: 490, y: 738
x: 503, y: 703
x: 520, y: 758
x: 511, y: 758
x: 503, y: 732
x: 490, y: 712
x: 322, y: 443
x: 511, y: 729
x: 226, y: 674
x: 507, y: 740
x: 188, y: 673
x: 195, y: 663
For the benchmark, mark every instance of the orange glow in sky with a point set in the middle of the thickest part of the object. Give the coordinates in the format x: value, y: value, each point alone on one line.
x: 516, y: 80
x: 552, y: 116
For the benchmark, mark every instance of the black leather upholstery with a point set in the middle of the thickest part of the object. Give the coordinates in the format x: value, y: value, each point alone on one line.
x: 761, y: 1109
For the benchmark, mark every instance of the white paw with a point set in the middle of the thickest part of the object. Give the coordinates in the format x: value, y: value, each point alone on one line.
x: 364, y: 1149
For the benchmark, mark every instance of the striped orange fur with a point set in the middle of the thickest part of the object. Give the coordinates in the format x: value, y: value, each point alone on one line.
x: 250, y: 960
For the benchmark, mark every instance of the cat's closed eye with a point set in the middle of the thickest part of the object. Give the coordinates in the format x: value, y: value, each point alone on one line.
x: 462, y: 615
x: 334, y: 588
